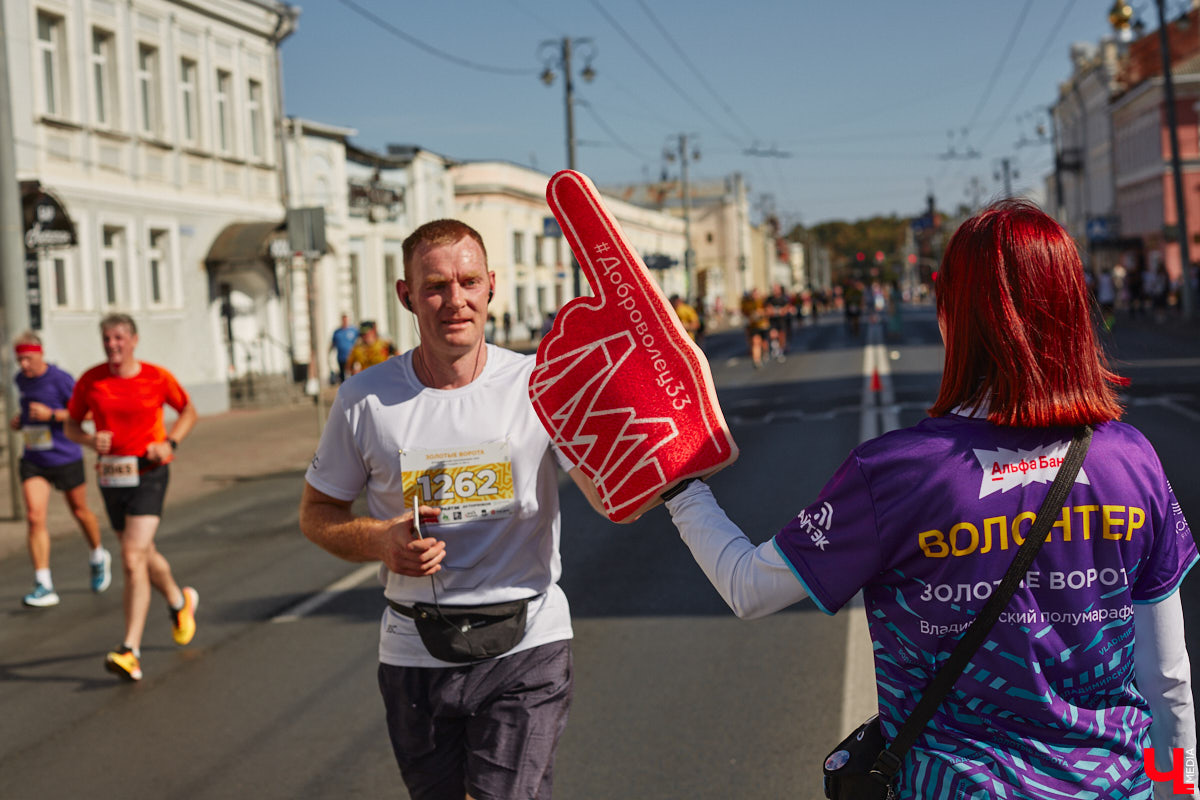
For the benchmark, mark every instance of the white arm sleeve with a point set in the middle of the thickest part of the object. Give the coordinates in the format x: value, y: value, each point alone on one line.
x: 754, y: 581
x: 1164, y: 676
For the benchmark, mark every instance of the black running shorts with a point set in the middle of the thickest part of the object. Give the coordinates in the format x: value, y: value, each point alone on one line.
x: 64, y: 477
x: 145, y: 499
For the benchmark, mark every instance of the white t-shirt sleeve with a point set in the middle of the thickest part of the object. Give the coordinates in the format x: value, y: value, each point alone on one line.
x: 754, y: 581
x: 563, y: 461
x: 1164, y: 676
x: 338, y: 468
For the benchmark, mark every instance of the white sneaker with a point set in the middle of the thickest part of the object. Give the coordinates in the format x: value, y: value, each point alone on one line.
x: 41, y: 597
x: 102, y: 573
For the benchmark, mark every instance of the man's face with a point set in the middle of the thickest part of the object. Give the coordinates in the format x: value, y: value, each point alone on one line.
x: 448, y: 288
x: 119, y: 343
x: 369, y: 336
x: 31, y: 364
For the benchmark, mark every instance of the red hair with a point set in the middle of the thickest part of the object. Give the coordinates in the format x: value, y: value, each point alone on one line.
x: 1016, y: 316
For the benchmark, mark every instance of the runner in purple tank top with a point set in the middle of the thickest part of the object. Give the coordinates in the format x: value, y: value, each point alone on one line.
x: 51, y: 462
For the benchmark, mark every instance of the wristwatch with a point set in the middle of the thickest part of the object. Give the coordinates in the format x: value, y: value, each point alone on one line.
x: 174, y: 444
x: 678, y: 488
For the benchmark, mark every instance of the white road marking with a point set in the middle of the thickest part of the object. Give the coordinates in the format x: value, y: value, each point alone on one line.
x: 859, y: 698
x: 1167, y: 403
x: 880, y: 414
x: 306, y: 607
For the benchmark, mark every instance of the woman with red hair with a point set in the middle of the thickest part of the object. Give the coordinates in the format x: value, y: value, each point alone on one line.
x: 925, y: 521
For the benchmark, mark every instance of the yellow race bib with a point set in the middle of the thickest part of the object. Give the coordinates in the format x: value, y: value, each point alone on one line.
x: 468, y: 483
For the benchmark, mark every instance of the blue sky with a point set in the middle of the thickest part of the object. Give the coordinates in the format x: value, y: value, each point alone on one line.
x: 863, y: 97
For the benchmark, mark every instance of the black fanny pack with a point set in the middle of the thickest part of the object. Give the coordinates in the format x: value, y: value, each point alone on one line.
x: 848, y: 770
x: 462, y: 634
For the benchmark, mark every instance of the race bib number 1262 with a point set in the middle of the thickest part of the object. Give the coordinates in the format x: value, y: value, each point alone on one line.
x: 468, y: 483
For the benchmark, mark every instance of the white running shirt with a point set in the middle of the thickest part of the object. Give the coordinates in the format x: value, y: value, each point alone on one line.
x: 384, y: 421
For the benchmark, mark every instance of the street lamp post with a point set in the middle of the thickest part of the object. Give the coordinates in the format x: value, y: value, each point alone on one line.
x: 1181, y: 231
x: 689, y: 254
x: 556, y: 54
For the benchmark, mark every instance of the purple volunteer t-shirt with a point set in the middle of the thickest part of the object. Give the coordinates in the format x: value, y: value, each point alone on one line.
x: 45, y: 443
x: 926, y: 521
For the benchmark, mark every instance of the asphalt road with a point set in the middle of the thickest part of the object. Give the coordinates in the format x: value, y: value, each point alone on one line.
x: 675, y: 698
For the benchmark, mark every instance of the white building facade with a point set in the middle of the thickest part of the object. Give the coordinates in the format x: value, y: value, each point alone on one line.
x: 152, y: 123
x: 506, y: 203
x: 371, y: 203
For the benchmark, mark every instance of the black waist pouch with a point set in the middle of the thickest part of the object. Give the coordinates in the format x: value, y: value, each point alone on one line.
x: 848, y: 772
x: 461, y: 634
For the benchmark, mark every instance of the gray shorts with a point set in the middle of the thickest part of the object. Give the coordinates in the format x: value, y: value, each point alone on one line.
x: 490, y: 729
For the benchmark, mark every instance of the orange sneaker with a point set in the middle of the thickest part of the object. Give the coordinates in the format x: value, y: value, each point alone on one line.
x: 124, y: 663
x: 185, y: 618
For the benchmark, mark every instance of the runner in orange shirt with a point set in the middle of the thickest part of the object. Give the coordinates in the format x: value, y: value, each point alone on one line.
x: 125, y: 397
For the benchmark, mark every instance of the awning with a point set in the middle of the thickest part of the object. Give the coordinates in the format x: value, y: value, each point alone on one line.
x: 246, y: 243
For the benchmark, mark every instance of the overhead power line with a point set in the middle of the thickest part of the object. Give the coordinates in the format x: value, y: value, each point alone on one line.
x: 1033, y: 65
x: 415, y: 42
x: 553, y: 29
x: 662, y: 73
x: 765, y: 152
x: 699, y: 76
x: 1004, y: 54
x: 599, y: 120
x: 987, y: 93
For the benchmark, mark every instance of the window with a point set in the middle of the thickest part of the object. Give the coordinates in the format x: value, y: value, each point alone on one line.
x: 521, y: 309
x: 537, y: 250
x: 53, y: 71
x: 389, y: 290
x: 224, y: 113
x: 111, y: 259
x: 518, y: 247
x: 189, y: 100
x: 104, y: 73
x: 150, y: 114
x: 349, y: 297
x: 61, y: 298
x: 156, y: 269
x: 254, y: 112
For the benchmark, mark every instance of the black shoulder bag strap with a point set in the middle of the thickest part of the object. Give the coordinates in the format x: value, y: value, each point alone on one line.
x: 888, y: 763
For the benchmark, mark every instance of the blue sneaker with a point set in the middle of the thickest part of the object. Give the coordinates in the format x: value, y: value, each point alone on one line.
x: 41, y: 597
x: 102, y: 573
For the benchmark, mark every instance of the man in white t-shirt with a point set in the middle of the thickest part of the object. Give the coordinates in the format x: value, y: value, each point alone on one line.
x: 476, y: 700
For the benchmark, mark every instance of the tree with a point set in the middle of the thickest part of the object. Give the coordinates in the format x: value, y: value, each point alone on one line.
x: 845, y: 240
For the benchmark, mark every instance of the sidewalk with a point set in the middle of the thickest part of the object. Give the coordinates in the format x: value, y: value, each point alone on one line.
x: 221, y: 450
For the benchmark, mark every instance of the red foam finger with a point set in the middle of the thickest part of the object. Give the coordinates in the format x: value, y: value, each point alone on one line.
x: 620, y: 386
